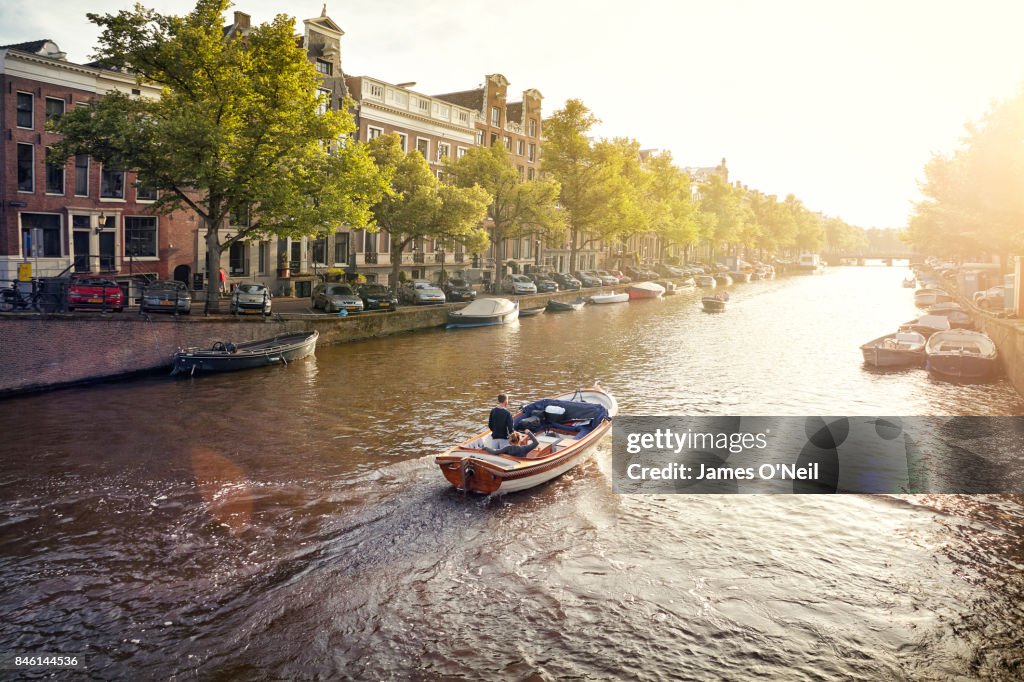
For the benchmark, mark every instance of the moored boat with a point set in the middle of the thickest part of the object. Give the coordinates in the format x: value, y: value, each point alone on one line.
x: 713, y: 304
x: 924, y: 298
x: 554, y: 306
x: 645, y: 290
x: 901, y: 349
x: 957, y: 316
x: 961, y: 355
x: 723, y: 279
x: 706, y: 281
x: 610, y: 298
x: 527, y: 312
x: 740, y: 276
x: 926, y: 325
x: 225, y: 356
x: 567, y: 426
x: 484, y: 312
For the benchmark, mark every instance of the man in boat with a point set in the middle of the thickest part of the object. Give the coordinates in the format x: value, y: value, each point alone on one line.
x: 500, y: 422
x: 520, y: 445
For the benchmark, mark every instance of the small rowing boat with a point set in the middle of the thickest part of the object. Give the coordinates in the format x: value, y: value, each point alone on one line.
x: 554, y: 306
x: 900, y: 349
x: 610, y: 298
x: 566, y: 426
x: 645, y: 290
x: 713, y: 304
x: 225, y: 356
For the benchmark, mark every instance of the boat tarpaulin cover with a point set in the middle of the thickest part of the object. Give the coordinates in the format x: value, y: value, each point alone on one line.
x: 590, y: 413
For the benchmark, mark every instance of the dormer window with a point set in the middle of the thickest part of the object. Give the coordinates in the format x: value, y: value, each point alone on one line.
x: 325, y: 67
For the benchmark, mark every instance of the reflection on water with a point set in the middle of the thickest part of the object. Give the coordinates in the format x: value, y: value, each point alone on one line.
x: 290, y: 523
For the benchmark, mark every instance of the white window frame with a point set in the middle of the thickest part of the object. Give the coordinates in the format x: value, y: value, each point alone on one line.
x: 460, y: 152
x: 444, y: 149
x: 427, y: 140
x: 520, y: 147
x: 532, y: 126
x: 139, y: 199
x: 495, y: 116
x: 480, y: 138
x: 531, y: 152
x: 324, y: 105
x: 370, y: 130
x: 403, y: 140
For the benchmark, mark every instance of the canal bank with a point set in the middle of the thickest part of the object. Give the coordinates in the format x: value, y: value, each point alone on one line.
x: 1008, y: 335
x: 40, y: 352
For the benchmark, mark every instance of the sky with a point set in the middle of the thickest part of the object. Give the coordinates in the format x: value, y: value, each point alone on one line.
x: 838, y: 103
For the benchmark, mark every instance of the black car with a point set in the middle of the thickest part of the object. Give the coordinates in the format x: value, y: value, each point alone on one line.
x: 668, y: 270
x: 377, y: 297
x: 458, y: 290
x: 587, y: 280
x: 545, y: 283
x: 567, y: 282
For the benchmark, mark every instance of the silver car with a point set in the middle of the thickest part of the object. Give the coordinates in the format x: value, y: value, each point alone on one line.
x: 333, y: 297
x: 251, y: 299
x: 166, y: 296
x: 519, y: 285
x: 421, y: 292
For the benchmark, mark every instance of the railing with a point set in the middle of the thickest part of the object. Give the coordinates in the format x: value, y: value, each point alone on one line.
x: 439, y: 257
x: 419, y: 257
x: 460, y: 257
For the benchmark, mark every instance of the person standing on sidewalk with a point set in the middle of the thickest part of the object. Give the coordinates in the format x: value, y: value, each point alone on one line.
x: 223, y: 282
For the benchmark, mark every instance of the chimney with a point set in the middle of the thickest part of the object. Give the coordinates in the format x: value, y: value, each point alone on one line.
x: 241, y: 22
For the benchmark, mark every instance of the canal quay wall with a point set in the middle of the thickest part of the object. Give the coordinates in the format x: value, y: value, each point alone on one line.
x: 62, y: 349
x: 1007, y: 334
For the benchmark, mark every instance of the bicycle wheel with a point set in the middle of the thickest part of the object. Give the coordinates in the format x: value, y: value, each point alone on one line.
x: 7, y: 301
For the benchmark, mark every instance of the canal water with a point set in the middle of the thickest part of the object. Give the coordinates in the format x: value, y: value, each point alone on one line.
x: 290, y: 523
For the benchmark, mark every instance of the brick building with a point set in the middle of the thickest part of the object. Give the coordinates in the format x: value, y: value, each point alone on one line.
x: 77, y: 216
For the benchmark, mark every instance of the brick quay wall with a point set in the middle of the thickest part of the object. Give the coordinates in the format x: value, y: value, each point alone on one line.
x: 38, y: 352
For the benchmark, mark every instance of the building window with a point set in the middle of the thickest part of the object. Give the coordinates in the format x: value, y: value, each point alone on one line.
x: 442, y: 110
x: 494, y: 139
x: 237, y: 262
x: 376, y: 90
x: 373, y: 133
x: 522, y: 173
x: 40, y: 235
x: 324, y: 103
x: 26, y: 167
x: 495, y: 116
x: 464, y: 117
x: 239, y: 216
x: 424, y: 106
x: 533, y: 127
x: 444, y: 150
x: 403, y: 141
x: 325, y: 67
x: 508, y: 143
x: 400, y: 98
x: 423, y: 147
x: 54, y: 109
x: 140, y: 236
x: 111, y: 184
x: 144, y: 193
x: 340, y: 248
x: 532, y: 156
x: 24, y: 110
x: 81, y: 175
x: 460, y: 152
x: 480, y: 138
x: 529, y: 174
x: 520, y: 147
x: 54, y: 174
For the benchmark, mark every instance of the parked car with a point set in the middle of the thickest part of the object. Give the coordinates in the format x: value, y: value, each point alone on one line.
x: 587, y: 280
x: 95, y: 292
x: 420, y: 292
x: 377, y: 297
x: 457, y: 289
x: 518, y: 285
x: 250, y: 299
x: 990, y: 298
x: 567, y: 282
x: 607, y: 278
x: 544, y: 282
x: 334, y: 297
x: 621, y: 276
x: 639, y: 273
x: 666, y: 270
x: 166, y: 295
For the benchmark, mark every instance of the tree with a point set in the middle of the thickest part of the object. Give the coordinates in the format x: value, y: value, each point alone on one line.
x: 422, y: 207
x: 723, y: 201
x: 517, y: 207
x: 672, y: 213
x: 238, y: 129
x: 595, y: 193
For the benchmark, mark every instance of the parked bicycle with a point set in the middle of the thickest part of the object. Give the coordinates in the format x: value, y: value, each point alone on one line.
x: 27, y: 296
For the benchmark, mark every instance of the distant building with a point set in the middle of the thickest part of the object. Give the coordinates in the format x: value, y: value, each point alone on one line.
x: 76, y: 216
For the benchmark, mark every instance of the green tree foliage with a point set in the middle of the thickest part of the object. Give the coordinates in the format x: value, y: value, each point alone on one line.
x: 974, y: 204
x: 422, y: 207
x: 517, y: 207
x: 237, y: 130
x: 596, y: 180
x: 731, y: 217
x: 672, y: 212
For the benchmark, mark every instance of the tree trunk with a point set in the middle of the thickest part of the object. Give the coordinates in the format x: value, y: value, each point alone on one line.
x: 396, y: 261
x: 212, y: 268
x: 573, y: 249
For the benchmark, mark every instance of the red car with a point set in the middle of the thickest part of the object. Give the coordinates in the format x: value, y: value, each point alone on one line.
x: 95, y: 292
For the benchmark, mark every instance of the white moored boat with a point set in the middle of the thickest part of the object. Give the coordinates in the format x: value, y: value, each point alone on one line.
x: 961, y: 355
x: 484, y: 312
x: 566, y: 426
x: 610, y: 298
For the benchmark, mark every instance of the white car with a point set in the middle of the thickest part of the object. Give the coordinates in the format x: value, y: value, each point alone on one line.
x: 990, y: 298
x: 519, y: 285
x: 250, y: 299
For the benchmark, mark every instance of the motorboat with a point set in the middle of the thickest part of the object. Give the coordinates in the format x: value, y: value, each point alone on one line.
x: 714, y: 304
x: 924, y: 298
x: 225, y: 356
x: 554, y: 306
x: 723, y: 279
x: 670, y: 288
x: 610, y: 298
x: 957, y: 316
x: 687, y: 283
x: 809, y: 263
x: 645, y: 290
x: 484, y: 312
x: 900, y: 349
x: 926, y: 325
x: 706, y: 281
x: 566, y: 426
x: 527, y: 312
x: 740, y: 276
x: 961, y: 355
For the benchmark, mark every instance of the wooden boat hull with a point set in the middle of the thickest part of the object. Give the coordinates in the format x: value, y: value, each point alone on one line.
x: 554, y: 306
x: 713, y: 305
x: 471, y: 469
x: 960, y: 355
x: 527, y: 312
x: 279, y: 350
x: 889, y: 357
x: 962, y: 367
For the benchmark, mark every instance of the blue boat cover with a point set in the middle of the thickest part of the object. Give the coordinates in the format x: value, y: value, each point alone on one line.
x: 592, y: 413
